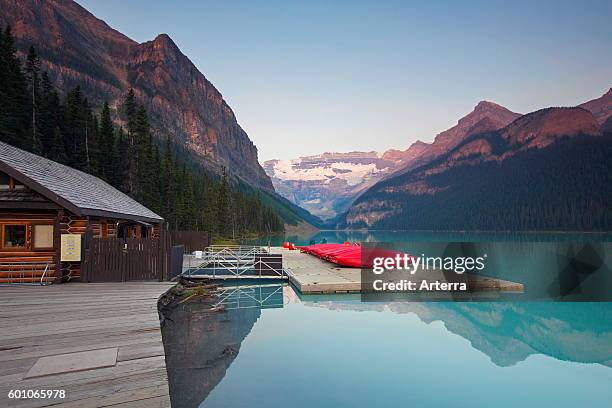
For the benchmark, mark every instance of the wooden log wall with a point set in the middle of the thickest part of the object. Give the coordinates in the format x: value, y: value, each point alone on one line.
x: 97, y: 227
x: 71, y: 224
x: 26, y: 266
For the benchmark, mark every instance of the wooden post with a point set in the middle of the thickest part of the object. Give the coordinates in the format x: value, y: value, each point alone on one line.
x: 57, y: 245
x: 85, y: 258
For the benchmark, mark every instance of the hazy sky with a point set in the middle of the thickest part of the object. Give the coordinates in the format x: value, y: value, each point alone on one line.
x: 314, y: 76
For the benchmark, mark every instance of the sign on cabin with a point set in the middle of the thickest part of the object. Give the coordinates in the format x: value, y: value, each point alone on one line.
x: 70, y: 248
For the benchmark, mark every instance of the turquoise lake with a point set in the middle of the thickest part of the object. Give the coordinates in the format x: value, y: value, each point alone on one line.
x: 429, y: 236
x: 273, y: 347
x: 339, y: 352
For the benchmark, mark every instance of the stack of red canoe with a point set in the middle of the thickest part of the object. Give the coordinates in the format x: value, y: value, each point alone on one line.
x: 347, y: 254
x: 289, y: 245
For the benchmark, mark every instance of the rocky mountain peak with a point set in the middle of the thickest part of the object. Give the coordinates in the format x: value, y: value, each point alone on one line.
x: 487, y: 106
x: 164, y: 44
x: 404, y: 157
x: 485, y: 117
x: 76, y: 48
x: 496, y: 114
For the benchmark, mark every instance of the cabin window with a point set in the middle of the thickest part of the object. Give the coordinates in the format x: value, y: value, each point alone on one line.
x: 8, y: 183
x: 104, y: 230
x: 5, y: 182
x: 14, y: 236
x: 43, y: 236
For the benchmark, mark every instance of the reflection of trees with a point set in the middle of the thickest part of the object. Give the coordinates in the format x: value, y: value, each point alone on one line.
x: 509, y: 332
x: 200, y: 345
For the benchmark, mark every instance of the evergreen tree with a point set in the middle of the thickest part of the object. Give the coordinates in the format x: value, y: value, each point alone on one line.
x: 107, y: 145
x: 129, y: 113
x: 73, y: 128
x: 33, y: 117
x: 223, y: 203
x: 167, y: 186
x: 56, y: 151
x: 13, y: 94
x: 156, y: 181
x: 189, y: 212
x: 145, y: 188
x: 123, y: 167
x: 32, y: 71
x: 48, y: 115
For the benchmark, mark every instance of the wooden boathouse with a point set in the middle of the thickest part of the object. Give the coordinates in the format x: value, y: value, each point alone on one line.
x: 50, y: 213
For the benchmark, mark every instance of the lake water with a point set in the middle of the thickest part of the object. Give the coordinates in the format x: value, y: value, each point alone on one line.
x: 282, y: 350
x: 429, y: 236
x: 542, y: 262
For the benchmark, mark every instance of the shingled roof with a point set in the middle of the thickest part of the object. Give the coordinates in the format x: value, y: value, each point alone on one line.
x: 80, y: 193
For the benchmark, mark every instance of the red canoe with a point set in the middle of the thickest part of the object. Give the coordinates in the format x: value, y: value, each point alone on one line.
x: 348, y: 255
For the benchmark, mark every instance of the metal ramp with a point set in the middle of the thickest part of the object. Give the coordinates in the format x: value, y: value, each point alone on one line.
x: 234, y: 262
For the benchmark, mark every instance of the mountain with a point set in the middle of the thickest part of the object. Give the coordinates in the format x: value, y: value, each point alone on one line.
x: 486, y: 116
x: 547, y: 170
x: 601, y: 108
x: 403, y: 158
x: 76, y: 48
x: 327, y: 184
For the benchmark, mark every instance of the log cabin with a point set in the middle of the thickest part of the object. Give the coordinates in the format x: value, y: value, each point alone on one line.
x: 45, y: 210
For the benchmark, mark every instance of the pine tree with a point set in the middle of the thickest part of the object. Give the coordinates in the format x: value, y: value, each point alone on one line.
x: 223, y: 203
x: 32, y: 72
x: 189, y: 212
x: 48, y: 114
x: 144, y: 163
x: 74, y: 129
x: 129, y: 112
x: 167, y: 187
x: 107, y: 144
x: 124, y: 164
x: 57, y: 152
x: 156, y: 180
x: 14, y: 119
x: 91, y: 139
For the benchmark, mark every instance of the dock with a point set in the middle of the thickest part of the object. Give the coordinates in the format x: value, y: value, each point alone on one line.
x: 312, y: 275
x: 101, y: 343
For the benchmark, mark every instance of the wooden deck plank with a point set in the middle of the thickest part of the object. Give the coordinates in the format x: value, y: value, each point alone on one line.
x: 43, y: 321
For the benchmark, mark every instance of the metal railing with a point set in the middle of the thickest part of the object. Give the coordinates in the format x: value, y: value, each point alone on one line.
x: 234, y: 261
x: 24, y: 273
x: 251, y: 296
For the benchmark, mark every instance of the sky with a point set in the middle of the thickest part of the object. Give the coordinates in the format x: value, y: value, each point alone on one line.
x: 307, y: 77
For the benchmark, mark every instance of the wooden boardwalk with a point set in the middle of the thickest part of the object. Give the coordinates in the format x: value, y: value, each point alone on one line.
x: 38, y: 322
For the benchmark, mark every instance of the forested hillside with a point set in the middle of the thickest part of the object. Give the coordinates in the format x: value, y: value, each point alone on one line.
x: 35, y: 117
x: 565, y: 186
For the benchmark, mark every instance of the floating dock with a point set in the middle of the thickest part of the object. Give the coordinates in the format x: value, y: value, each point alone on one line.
x: 312, y: 275
x: 309, y: 274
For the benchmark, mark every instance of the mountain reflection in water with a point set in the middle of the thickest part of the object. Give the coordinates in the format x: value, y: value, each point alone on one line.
x: 201, y: 346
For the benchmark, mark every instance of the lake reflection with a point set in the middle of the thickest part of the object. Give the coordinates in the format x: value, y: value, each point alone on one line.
x: 324, y: 351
